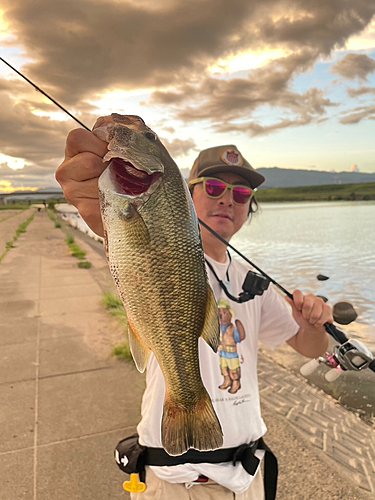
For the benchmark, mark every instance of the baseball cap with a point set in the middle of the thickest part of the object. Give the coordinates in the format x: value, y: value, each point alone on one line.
x: 225, y: 159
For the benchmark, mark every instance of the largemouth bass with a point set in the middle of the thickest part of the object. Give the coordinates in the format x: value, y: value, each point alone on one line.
x: 155, y: 254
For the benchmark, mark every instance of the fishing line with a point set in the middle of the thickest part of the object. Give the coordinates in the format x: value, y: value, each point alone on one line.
x: 337, y: 334
x: 45, y: 94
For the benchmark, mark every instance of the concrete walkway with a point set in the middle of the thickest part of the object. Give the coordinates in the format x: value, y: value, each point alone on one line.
x: 65, y: 403
x: 10, y: 220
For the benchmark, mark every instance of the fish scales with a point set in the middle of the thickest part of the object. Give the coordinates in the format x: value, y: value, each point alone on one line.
x: 155, y: 255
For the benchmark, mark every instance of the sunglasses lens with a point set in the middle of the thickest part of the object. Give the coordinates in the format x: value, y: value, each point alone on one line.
x: 215, y: 188
x: 241, y: 195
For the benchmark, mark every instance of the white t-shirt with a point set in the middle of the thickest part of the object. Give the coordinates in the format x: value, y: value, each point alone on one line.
x: 267, y: 318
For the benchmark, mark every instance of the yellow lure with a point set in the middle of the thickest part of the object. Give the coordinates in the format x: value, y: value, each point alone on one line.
x: 134, y: 486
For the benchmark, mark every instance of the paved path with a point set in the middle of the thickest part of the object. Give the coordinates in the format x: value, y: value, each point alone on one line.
x: 65, y: 403
x: 10, y: 220
x: 342, y: 441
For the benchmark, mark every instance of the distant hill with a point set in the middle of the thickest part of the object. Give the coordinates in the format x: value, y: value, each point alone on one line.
x: 286, y: 177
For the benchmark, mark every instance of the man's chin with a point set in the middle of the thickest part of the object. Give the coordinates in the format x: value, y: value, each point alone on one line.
x: 222, y: 226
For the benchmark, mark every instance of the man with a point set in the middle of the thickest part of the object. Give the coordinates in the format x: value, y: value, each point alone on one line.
x: 222, y: 184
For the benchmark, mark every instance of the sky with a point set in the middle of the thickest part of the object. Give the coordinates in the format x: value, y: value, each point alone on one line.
x: 291, y: 83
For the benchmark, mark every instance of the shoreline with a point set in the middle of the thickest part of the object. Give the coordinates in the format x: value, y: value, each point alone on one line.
x: 330, y: 192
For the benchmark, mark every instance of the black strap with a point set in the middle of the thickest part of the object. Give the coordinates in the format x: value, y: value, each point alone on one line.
x: 243, y: 297
x: 159, y: 457
x: 244, y: 454
x: 271, y: 471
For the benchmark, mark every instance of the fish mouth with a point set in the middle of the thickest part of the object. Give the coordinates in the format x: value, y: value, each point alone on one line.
x: 130, y: 180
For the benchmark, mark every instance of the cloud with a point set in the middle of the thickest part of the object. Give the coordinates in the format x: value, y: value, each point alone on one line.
x: 225, y: 102
x: 355, y: 66
x: 360, y: 91
x: 77, y: 51
x: 80, y: 48
x: 28, y: 176
x: 179, y: 147
x: 39, y: 140
x: 358, y: 115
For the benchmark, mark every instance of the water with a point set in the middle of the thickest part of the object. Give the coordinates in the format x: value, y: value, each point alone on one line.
x: 293, y: 243
x: 70, y: 214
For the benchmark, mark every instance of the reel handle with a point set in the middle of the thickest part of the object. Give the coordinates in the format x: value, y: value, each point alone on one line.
x: 309, y: 367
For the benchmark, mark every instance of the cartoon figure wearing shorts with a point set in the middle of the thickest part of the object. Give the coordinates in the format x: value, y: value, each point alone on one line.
x: 230, y: 336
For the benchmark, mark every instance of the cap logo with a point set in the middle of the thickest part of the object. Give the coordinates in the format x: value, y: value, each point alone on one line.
x: 232, y: 156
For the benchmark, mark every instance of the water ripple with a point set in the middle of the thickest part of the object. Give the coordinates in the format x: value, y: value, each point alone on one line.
x: 295, y: 242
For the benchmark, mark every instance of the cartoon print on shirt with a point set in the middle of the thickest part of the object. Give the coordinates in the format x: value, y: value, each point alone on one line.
x: 230, y: 336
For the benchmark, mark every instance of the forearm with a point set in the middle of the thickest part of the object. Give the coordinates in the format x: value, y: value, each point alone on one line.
x: 311, y: 343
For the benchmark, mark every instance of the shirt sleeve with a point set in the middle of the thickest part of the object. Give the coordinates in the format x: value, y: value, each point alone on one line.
x: 277, y: 324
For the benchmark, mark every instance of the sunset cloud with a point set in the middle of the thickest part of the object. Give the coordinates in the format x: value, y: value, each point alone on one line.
x: 360, y: 91
x: 358, y: 115
x: 203, y: 67
x: 355, y: 66
x: 222, y: 102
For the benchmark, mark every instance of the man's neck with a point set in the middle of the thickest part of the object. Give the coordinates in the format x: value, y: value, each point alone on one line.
x: 213, y: 247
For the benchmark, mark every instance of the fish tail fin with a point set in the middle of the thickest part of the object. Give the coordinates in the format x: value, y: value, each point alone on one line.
x: 196, y: 427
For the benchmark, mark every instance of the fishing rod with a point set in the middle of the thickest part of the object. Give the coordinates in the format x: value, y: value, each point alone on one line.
x: 45, y: 94
x: 350, y: 355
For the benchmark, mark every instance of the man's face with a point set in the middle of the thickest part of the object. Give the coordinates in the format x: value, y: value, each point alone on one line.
x: 221, y: 214
x: 225, y: 316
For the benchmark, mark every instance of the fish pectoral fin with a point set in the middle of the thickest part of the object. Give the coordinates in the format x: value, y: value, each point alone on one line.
x: 139, y: 350
x: 136, y: 229
x: 211, y: 328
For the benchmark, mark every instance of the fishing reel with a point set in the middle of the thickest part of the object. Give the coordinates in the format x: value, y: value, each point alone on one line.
x: 352, y: 355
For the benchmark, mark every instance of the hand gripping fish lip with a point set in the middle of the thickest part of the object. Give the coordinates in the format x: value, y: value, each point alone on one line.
x: 134, y: 170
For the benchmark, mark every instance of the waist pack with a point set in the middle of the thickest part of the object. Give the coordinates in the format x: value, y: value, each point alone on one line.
x: 132, y: 458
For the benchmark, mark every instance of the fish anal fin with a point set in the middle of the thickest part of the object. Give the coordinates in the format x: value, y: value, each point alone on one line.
x: 139, y: 350
x: 211, y: 328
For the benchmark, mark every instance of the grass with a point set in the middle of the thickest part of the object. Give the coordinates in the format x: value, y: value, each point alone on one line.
x: 84, y: 265
x: 20, y: 230
x: 14, y: 207
x: 76, y: 250
x: 51, y: 215
x: 122, y: 351
x: 112, y: 302
x: 336, y: 192
x: 115, y: 308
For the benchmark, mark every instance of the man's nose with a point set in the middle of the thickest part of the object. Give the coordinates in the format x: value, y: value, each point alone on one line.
x: 226, y: 199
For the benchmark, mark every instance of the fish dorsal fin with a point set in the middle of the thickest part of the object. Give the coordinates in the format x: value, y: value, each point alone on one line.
x: 211, y: 329
x: 139, y: 350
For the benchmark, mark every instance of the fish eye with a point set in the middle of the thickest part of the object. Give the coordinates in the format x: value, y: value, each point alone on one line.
x: 151, y: 136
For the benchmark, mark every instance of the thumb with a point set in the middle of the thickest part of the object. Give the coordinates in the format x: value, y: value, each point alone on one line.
x: 291, y: 303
